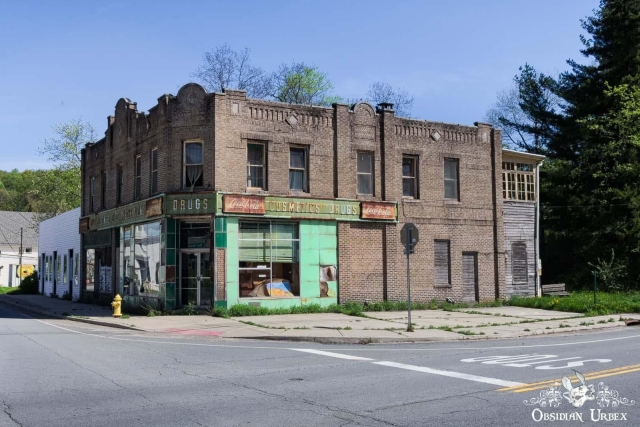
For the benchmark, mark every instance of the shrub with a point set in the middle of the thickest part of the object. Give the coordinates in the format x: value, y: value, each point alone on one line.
x: 29, y: 285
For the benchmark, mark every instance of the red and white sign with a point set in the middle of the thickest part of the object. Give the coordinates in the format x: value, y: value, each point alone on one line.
x: 372, y: 210
x: 243, y: 204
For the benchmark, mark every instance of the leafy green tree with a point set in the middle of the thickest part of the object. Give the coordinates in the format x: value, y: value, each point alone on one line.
x: 299, y: 83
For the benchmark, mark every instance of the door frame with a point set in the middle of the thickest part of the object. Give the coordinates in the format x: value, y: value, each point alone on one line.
x: 198, y: 252
x: 476, y: 286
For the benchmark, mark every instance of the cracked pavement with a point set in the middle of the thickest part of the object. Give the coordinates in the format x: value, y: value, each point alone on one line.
x: 61, y: 373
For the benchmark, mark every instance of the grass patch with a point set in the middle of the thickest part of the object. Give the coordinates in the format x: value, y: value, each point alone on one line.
x: 4, y: 290
x: 300, y: 327
x: 125, y: 316
x: 582, y: 302
x: 527, y: 330
x: 587, y: 323
x: 468, y: 332
x: 564, y: 325
x: 548, y: 327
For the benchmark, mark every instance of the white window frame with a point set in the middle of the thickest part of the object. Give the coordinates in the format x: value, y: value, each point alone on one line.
x: 371, y: 174
x: 305, y: 170
x: 263, y: 166
x: 185, y: 185
x: 414, y: 161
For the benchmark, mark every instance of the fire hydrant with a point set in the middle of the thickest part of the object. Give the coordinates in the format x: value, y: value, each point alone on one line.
x: 117, y: 306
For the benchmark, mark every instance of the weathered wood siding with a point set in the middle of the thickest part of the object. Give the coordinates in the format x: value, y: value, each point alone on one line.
x: 519, y: 227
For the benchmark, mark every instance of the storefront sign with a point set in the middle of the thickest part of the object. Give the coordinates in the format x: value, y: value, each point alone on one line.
x: 191, y: 204
x: 154, y: 207
x: 289, y: 207
x: 371, y: 210
x: 97, y: 239
x: 243, y: 204
x: 83, y: 226
x: 129, y: 214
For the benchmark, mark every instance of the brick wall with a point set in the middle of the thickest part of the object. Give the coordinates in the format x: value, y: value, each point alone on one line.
x: 226, y: 122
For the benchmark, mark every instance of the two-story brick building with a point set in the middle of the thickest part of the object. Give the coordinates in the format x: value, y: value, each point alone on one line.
x: 220, y: 198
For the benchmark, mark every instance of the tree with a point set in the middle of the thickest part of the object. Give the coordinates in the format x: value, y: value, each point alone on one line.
x: 225, y: 68
x: 299, y: 83
x: 527, y: 112
x: 58, y: 190
x: 383, y: 92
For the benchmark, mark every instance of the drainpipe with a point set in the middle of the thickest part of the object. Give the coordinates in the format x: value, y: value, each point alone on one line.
x: 537, y: 231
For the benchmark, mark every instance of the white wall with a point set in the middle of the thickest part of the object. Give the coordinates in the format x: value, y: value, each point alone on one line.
x: 10, y: 257
x: 60, y: 234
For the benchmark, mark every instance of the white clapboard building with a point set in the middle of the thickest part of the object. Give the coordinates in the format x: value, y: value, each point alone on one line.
x: 11, y: 226
x: 59, y: 252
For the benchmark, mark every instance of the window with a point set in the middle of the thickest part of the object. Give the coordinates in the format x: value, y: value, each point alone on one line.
x: 298, y: 174
x: 103, y: 190
x: 519, y: 262
x: 91, y: 193
x: 442, y: 262
x: 255, y: 166
x: 518, y: 181
x: 451, y: 179
x: 365, y: 173
x: 138, y: 177
x: 154, y: 171
x: 269, y: 264
x: 192, y: 165
x: 64, y: 269
x: 409, y: 177
x: 119, y: 179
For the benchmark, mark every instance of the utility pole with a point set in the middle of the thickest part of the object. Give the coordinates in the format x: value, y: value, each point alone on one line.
x: 20, y: 260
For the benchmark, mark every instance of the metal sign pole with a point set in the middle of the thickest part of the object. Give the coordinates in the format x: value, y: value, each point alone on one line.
x: 408, y: 249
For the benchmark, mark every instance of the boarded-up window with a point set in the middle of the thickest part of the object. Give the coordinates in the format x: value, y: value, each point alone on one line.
x: 519, y: 262
x: 442, y: 262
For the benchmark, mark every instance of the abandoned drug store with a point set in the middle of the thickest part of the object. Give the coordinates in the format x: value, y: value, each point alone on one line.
x: 217, y: 199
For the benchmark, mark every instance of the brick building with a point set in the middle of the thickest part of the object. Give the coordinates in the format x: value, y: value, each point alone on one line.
x: 217, y: 197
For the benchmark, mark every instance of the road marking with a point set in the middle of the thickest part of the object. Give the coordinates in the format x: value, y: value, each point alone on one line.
x: 330, y: 354
x: 527, y: 360
x: 589, y: 376
x: 451, y: 374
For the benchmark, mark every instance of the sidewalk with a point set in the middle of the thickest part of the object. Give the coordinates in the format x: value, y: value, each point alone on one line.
x: 377, y: 327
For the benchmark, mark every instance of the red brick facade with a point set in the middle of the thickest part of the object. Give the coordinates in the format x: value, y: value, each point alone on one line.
x: 371, y: 259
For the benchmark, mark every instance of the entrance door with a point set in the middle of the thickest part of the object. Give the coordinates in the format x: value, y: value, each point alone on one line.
x: 195, y: 278
x: 470, y: 291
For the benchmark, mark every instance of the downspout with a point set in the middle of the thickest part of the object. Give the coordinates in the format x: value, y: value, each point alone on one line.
x: 537, y: 231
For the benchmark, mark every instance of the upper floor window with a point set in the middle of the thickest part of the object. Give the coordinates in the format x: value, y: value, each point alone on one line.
x: 192, y: 173
x: 409, y: 177
x: 103, y: 190
x: 138, y: 177
x: 255, y: 166
x: 518, y: 181
x: 298, y: 175
x: 92, y: 193
x: 451, y: 184
x: 154, y: 171
x: 119, y: 181
x: 365, y: 173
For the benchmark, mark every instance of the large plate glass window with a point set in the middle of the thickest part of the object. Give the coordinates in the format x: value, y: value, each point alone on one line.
x: 269, y: 259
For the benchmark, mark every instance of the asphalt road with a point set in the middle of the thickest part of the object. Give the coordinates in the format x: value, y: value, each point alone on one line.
x: 63, y: 373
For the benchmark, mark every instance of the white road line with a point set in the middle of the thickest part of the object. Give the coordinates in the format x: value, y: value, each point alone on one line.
x: 330, y: 354
x: 451, y: 374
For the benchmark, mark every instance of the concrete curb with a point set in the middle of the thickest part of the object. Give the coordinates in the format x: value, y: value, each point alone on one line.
x: 344, y: 340
x: 73, y: 318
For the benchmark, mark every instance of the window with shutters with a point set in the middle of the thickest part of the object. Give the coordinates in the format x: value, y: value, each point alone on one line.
x: 269, y: 263
x: 442, y: 262
x: 518, y: 181
x: 519, y: 262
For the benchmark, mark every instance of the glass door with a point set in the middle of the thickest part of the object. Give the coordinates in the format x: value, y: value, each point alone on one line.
x: 195, y: 278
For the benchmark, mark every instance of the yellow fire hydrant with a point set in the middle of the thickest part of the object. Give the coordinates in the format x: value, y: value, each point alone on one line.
x: 117, y: 306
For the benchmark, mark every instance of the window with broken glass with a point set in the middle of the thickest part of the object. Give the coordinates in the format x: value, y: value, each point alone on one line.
x: 518, y: 181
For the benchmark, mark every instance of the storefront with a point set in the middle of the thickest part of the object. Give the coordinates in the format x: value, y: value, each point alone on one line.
x: 205, y: 249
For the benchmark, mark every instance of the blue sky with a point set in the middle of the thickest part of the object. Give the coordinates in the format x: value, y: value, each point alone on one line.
x: 64, y: 60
